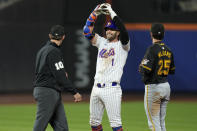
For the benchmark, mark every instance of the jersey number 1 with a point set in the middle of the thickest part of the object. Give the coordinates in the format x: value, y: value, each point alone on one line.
x: 113, y: 62
x: 164, y: 66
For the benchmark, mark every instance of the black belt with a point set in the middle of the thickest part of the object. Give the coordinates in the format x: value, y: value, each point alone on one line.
x: 99, y: 85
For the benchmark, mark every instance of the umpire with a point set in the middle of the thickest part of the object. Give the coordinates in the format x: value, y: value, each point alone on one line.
x: 50, y: 80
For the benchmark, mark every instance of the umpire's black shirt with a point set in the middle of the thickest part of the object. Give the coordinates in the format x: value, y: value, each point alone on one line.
x: 50, y: 70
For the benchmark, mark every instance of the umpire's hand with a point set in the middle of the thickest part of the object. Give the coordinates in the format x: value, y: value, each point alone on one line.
x: 77, y: 97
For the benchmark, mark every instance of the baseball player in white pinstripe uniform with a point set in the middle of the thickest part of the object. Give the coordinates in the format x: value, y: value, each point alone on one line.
x: 111, y: 58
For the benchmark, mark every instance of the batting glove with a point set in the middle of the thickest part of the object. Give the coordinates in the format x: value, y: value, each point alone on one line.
x: 98, y: 10
x: 107, y: 10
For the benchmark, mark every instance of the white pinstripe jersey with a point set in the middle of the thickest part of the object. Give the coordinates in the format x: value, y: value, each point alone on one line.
x: 111, y: 59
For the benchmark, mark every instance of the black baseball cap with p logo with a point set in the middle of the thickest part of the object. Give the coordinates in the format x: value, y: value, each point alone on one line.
x: 157, y: 31
x: 57, y: 31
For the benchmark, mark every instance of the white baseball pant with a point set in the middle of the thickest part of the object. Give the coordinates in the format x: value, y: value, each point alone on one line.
x: 108, y: 98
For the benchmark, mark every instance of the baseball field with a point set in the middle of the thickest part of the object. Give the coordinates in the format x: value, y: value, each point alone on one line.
x: 181, y: 116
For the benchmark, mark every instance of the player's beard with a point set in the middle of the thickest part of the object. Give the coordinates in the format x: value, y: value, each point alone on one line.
x: 111, y: 36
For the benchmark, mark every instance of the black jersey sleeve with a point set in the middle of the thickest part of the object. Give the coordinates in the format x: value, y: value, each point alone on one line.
x: 124, y: 36
x: 172, y: 65
x: 56, y: 66
x: 147, y: 62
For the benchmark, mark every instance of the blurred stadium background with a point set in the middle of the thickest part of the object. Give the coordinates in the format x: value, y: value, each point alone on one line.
x: 25, y: 24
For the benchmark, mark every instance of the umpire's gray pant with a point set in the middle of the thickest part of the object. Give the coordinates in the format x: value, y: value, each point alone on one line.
x: 50, y: 109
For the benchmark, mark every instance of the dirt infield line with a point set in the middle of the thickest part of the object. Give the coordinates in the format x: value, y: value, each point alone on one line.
x: 28, y: 98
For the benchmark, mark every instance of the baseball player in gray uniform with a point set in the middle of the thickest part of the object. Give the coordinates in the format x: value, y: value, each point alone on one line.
x: 157, y: 63
x: 111, y: 58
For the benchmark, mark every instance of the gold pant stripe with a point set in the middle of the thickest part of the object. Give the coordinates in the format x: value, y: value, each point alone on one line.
x: 148, y: 109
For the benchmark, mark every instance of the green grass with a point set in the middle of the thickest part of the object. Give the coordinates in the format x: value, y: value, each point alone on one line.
x: 180, y: 117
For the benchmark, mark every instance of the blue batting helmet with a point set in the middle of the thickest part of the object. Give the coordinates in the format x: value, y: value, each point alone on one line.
x: 111, y: 25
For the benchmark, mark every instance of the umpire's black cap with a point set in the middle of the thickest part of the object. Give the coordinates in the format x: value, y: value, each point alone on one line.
x: 57, y: 31
x: 157, y: 30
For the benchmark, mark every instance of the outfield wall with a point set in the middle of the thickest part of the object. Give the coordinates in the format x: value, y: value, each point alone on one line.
x: 18, y: 56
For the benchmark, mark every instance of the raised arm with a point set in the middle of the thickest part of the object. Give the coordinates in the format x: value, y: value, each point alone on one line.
x: 89, y: 26
x: 124, y: 36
